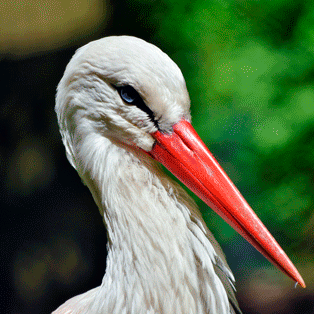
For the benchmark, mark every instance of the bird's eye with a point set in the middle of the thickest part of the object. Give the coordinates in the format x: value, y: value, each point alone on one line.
x: 128, y: 94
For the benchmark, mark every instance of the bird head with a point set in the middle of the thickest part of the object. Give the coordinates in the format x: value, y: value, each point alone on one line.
x: 121, y: 88
x: 129, y: 92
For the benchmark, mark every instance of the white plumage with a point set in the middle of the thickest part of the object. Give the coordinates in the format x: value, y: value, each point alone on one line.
x: 161, y: 256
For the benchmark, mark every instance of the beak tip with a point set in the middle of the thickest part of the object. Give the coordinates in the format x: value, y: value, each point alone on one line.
x: 295, y: 275
x: 302, y: 283
x: 297, y: 278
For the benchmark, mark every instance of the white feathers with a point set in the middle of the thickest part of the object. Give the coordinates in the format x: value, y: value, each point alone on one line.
x: 160, y: 257
x: 86, y: 92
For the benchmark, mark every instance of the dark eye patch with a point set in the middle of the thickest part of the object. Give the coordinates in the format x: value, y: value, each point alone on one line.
x: 130, y: 96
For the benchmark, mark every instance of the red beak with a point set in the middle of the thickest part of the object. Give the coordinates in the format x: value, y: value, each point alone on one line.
x: 185, y: 155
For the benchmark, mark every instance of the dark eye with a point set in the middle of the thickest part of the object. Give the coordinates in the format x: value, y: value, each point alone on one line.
x: 128, y: 94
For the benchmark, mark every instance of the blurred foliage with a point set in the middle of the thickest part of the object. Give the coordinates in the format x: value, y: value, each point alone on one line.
x: 249, y: 69
x: 30, y: 27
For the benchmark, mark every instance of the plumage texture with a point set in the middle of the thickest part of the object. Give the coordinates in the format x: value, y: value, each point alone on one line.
x: 161, y: 256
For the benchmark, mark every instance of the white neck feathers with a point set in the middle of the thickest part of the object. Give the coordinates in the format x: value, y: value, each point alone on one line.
x: 160, y: 258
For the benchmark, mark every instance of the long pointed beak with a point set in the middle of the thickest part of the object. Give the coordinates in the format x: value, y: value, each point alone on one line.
x: 185, y: 155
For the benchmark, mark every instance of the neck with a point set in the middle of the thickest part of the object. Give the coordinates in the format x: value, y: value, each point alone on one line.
x: 160, y: 258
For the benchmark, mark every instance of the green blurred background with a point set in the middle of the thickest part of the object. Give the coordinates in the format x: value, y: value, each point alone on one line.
x: 249, y: 68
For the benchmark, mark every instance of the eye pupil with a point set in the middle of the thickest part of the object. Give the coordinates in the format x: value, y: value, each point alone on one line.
x: 128, y: 94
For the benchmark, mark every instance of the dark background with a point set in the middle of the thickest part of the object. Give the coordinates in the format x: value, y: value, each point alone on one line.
x: 249, y: 67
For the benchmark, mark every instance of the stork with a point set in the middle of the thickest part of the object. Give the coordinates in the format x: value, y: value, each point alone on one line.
x: 123, y: 108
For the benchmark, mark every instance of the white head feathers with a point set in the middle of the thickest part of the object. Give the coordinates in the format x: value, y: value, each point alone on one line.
x: 88, y: 102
